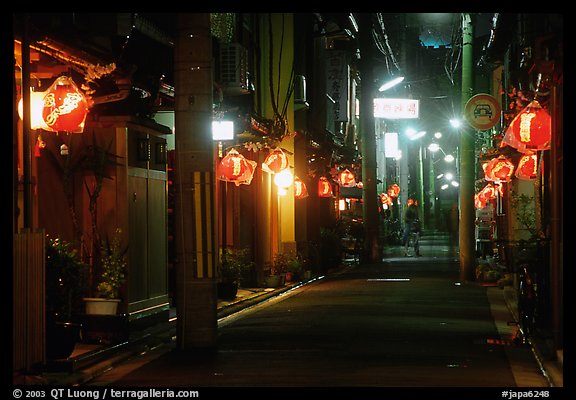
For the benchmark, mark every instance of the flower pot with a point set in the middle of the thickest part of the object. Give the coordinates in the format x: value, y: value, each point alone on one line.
x: 274, y: 281
x: 227, y: 290
x: 61, y: 339
x: 99, y: 306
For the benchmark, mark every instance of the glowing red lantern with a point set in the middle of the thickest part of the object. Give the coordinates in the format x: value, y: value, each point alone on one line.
x: 234, y: 167
x: 411, y: 202
x: 300, y: 191
x: 499, y: 169
x: 65, y: 107
x: 347, y: 179
x: 386, y: 199
x: 324, y: 187
x: 527, y: 168
x: 393, y: 190
x: 487, y: 193
x: 276, y: 161
x: 530, y: 129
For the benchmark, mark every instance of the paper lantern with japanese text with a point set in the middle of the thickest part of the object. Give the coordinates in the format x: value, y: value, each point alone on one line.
x: 527, y: 168
x: 385, y: 199
x: 324, y: 187
x: 276, y: 161
x: 300, y: 190
x: 531, y: 129
x: 347, y: 178
x: 412, y: 202
x: 393, y: 190
x: 65, y: 107
x: 499, y: 169
x: 234, y: 167
x: 487, y: 193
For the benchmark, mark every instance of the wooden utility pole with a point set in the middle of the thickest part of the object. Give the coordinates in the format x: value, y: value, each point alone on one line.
x: 196, y: 233
x: 467, y: 160
x: 368, y: 143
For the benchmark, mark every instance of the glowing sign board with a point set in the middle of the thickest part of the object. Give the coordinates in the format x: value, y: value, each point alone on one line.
x: 396, y: 108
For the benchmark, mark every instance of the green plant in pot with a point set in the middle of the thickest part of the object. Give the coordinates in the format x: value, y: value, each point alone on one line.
x: 112, y: 276
x: 288, y: 264
x: 235, y: 266
x: 65, y: 286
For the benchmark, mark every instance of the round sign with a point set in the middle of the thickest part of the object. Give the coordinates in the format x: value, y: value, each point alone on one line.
x: 482, y: 111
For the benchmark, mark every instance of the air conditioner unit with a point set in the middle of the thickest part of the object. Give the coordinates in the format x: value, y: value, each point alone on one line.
x: 234, y: 69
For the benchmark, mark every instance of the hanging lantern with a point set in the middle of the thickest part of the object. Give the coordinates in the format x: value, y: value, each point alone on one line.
x: 411, y: 202
x: 324, y: 187
x: 65, y: 107
x: 276, y: 161
x: 347, y: 178
x: 393, y: 190
x: 234, y: 167
x: 300, y: 191
x: 386, y: 199
x: 488, y: 192
x: 499, y: 169
x: 527, y: 168
x: 531, y: 129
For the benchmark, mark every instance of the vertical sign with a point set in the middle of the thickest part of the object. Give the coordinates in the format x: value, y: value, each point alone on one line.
x: 337, y: 83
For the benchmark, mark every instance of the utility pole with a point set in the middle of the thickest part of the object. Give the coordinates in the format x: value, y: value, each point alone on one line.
x: 196, y: 233
x: 467, y: 159
x: 368, y: 144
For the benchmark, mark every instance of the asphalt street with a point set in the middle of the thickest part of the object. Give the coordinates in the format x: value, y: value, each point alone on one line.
x: 404, y: 323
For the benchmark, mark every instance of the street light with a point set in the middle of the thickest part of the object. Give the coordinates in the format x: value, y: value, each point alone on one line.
x: 390, y: 84
x: 434, y: 147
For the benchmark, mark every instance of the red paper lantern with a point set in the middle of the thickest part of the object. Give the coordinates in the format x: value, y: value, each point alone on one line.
x: 531, y: 129
x: 527, y: 168
x: 300, y: 191
x: 487, y: 193
x: 347, y: 178
x: 324, y: 187
x: 234, y: 167
x: 65, y: 107
x: 386, y: 199
x: 393, y: 190
x: 499, y: 169
x: 276, y: 161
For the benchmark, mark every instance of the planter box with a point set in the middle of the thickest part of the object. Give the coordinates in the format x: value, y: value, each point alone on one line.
x: 98, y: 306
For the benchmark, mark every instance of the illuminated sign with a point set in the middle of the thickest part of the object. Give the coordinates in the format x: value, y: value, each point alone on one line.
x: 396, y: 108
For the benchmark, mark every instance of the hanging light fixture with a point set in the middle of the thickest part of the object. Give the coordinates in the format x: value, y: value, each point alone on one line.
x: 234, y: 167
x: 393, y: 190
x: 385, y: 199
x: 527, y: 168
x: 531, y: 129
x: 324, y: 187
x: 391, y: 83
x: 499, y: 169
x: 65, y: 107
x: 488, y: 192
x: 347, y: 178
x: 300, y: 190
x: 276, y: 161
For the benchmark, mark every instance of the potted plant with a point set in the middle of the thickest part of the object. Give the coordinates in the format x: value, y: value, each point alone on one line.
x: 235, y: 266
x: 288, y: 264
x: 65, y: 285
x: 112, y: 276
